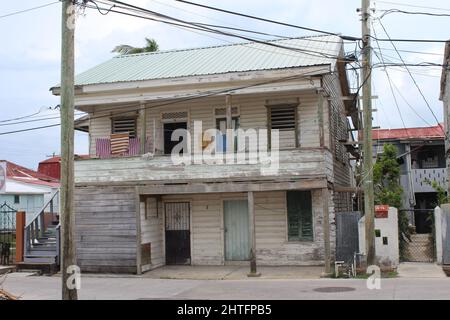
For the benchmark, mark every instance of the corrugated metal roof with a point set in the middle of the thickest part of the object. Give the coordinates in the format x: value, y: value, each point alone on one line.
x: 435, y: 132
x: 250, y: 56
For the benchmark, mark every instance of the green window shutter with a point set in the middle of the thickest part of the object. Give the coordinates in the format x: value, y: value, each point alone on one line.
x: 300, y: 224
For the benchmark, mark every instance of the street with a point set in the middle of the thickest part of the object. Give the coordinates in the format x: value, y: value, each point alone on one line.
x: 110, y: 287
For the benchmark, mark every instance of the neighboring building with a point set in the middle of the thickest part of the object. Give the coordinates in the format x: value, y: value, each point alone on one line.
x: 26, y: 189
x: 51, y: 167
x: 421, y: 153
x: 136, y: 212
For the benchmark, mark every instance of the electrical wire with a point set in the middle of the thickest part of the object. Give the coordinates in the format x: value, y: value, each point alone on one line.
x: 387, y: 12
x: 27, y: 10
x: 411, y: 76
x: 303, y: 28
x: 412, y: 6
x: 189, y: 24
x: 198, y: 27
x: 204, y: 94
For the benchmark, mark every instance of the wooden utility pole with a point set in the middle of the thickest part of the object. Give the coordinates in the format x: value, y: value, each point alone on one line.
x: 67, y: 144
x: 445, y: 97
x: 367, y: 135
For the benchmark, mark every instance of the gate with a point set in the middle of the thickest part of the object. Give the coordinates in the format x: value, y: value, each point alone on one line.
x: 419, y: 247
x: 7, y: 234
x: 347, y: 239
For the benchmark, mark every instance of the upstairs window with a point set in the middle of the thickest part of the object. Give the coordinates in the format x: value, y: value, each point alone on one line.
x: 123, y: 125
x: 282, y: 118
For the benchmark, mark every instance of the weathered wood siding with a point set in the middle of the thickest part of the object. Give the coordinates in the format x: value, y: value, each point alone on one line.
x: 303, y: 163
x: 273, y: 248
x: 105, y: 230
x: 338, y: 132
x: 252, y: 112
x: 152, y: 231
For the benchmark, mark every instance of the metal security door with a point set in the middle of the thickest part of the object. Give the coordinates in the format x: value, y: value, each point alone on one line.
x: 178, y: 235
x: 347, y: 241
x: 237, y: 241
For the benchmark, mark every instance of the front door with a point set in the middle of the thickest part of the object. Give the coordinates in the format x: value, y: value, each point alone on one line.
x: 237, y: 241
x: 178, y: 235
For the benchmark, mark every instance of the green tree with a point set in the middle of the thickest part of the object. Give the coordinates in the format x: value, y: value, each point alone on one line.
x: 386, y: 176
x: 150, y: 46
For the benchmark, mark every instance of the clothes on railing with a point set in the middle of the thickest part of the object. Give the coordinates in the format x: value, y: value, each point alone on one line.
x: 103, y: 147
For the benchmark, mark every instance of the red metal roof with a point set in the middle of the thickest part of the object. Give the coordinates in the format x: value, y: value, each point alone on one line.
x: 19, y: 173
x: 435, y: 132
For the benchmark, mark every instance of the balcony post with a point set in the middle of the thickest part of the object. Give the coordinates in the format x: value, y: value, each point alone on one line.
x: 142, y: 127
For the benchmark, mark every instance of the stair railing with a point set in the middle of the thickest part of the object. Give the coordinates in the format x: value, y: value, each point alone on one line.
x: 36, y: 227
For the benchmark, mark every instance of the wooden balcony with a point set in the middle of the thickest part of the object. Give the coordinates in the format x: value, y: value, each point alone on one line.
x: 308, y: 163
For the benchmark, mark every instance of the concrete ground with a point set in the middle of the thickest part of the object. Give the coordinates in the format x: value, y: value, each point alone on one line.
x: 143, y: 288
x: 233, y: 272
x: 420, y: 270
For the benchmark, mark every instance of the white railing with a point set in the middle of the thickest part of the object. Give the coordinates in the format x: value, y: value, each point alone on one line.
x: 421, y: 176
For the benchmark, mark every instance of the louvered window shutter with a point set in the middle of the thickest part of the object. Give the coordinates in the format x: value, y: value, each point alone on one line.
x: 300, y: 220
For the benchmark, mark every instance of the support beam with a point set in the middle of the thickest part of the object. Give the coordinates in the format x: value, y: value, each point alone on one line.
x: 20, y: 235
x: 137, y: 203
x: 321, y: 121
x: 143, y: 127
x: 326, y: 230
x: 252, y: 231
x: 229, y: 120
x: 232, y: 187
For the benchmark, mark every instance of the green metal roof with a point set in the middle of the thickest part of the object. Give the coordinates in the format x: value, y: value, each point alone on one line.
x: 241, y: 57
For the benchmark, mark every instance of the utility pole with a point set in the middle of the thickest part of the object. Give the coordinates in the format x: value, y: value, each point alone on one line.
x: 68, y: 259
x: 367, y: 135
x: 445, y: 97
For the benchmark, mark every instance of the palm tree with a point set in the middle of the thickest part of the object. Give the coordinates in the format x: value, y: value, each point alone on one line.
x: 151, y: 46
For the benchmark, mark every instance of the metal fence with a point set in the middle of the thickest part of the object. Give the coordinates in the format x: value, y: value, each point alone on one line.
x: 7, y: 234
x: 419, y: 245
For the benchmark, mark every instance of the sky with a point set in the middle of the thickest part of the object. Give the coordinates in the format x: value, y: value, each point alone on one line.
x: 30, y: 56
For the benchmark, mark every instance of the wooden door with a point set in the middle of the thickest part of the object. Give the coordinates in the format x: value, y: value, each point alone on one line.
x: 177, y: 233
x: 237, y: 240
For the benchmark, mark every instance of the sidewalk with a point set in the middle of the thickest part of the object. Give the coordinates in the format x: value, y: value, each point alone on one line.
x: 420, y: 270
x: 233, y: 272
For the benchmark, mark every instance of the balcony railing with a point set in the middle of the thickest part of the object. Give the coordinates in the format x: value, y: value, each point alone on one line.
x: 420, y: 177
x: 103, y: 148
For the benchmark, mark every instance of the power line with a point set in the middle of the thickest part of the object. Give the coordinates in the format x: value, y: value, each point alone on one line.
x: 411, y: 76
x: 197, y: 26
x: 27, y: 10
x: 387, y: 12
x: 303, y: 28
x: 196, y: 96
x: 392, y: 90
x: 412, y: 6
x: 264, y: 19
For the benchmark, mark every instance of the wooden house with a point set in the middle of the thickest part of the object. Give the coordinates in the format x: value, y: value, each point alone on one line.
x: 137, y: 210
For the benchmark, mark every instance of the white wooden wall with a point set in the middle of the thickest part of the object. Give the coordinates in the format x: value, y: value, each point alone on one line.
x: 273, y: 248
x: 253, y: 114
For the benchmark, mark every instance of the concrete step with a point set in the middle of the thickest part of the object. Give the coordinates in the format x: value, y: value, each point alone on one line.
x: 41, y: 253
x: 40, y: 267
x: 35, y: 260
x: 44, y: 248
